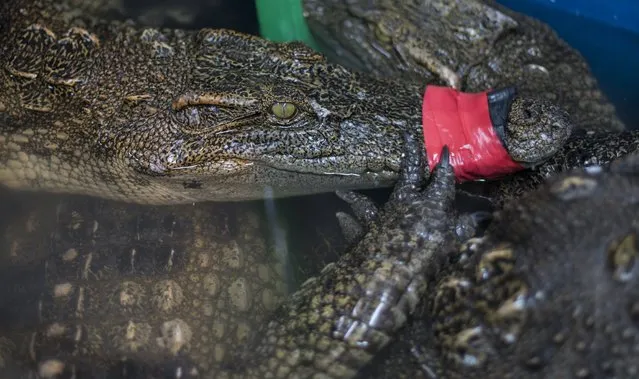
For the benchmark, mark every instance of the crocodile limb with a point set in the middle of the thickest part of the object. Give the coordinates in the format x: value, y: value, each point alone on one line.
x: 122, y: 112
x: 330, y: 328
x: 550, y: 291
x: 472, y: 45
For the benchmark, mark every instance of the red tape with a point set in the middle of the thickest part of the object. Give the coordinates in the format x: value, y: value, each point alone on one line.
x: 462, y: 121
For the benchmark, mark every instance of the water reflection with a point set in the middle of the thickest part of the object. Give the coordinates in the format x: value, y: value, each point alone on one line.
x: 238, y: 15
x: 112, y: 279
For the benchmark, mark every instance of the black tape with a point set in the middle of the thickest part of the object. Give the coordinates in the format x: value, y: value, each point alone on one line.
x: 499, y: 102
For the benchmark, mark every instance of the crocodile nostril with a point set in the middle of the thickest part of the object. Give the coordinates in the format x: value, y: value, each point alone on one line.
x: 528, y: 114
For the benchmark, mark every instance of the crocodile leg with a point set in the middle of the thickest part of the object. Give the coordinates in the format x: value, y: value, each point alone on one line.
x: 338, y: 321
x: 332, y: 326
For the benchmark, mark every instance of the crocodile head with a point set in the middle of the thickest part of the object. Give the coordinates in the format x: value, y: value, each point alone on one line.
x: 260, y: 119
x: 427, y: 40
x: 216, y: 115
x: 470, y: 45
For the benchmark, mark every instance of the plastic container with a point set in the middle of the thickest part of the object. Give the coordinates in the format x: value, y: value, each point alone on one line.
x: 282, y: 20
x: 606, y: 32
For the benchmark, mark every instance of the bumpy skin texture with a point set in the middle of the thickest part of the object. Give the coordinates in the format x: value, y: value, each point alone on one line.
x: 331, y: 327
x: 509, y: 306
x: 581, y: 150
x: 127, y: 113
x: 468, y: 44
x: 173, y: 116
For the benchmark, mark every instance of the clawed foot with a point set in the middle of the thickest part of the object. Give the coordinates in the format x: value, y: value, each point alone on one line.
x: 409, y: 195
x: 365, y: 211
x: 412, y: 195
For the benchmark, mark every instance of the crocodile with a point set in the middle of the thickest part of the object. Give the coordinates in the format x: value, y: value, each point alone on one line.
x: 549, y: 291
x: 165, y: 117
x: 468, y: 44
x: 481, y: 52
x: 175, y: 323
x: 114, y: 110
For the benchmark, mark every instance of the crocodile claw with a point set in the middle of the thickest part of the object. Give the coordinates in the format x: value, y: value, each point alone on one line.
x: 352, y: 230
x: 442, y: 181
x: 363, y: 207
x: 468, y: 223
x: 381, y: 278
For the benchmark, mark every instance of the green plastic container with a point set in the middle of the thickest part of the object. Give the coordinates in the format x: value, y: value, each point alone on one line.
x: 282, y: 21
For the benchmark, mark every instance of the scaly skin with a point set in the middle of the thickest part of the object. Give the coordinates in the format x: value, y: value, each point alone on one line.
x: 102, y: 135
x: 581, y: 150
x: 510, y: 49
x: 89, y: 281
x: 468, y: 44
x: 127, y: 113
x: 550, y: 291
x: 103, y: 114
x: 97, y: 311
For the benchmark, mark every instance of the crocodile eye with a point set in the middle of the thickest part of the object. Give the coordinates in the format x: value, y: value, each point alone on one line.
x: 381, y: 33
x: 284, y: 111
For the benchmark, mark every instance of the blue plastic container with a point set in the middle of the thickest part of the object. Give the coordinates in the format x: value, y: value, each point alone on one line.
x: 606, y: 32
